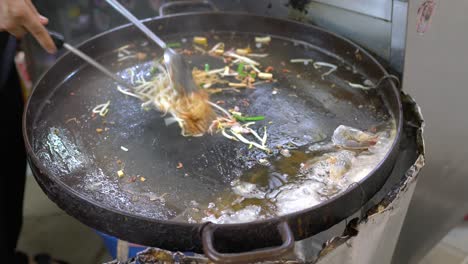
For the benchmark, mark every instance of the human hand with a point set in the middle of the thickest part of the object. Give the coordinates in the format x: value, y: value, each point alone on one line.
x: 20, y: 16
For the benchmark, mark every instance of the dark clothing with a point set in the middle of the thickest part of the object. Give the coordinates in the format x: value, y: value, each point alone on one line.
x: 12, y: 150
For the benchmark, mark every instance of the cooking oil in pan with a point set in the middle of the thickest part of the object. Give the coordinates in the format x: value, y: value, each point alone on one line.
x: 217, y: 181
x: 301, y: 179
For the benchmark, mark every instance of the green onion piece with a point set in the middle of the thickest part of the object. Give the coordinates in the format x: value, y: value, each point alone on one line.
x: 248, y: 118
x: 253, y: 75
x: 153, y: 70
x: 240, y: 68
x: 207, y: 67
x: 174, y: 45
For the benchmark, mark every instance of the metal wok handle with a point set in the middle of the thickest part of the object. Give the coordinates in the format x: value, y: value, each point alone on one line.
x: 247, y: 257
x: 185, y: 4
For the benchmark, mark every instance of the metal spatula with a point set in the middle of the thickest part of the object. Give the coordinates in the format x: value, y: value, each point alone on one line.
x: 179, y: 71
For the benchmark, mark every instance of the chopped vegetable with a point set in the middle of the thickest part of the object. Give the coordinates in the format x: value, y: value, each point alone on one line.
x: 153, y: 70
x: 241, y: 58
x: 255, y: 68
x: 246, y: 141
x: 226, y: 70
x: 72, y: 119
x: 124, y: 148
x: 218, y: 90
x: 228, y: 136
x: 221, y: 109
x: 99, y: 130
x: 237, y: 85
x: 174, y: 45
x: 197, y: 48
x: 159, y: 91
x: 240, y: 68
x: 219, y: 52
x: 258, y: 55
x: 209, y: 78
x: 180, y: 165
x: 360, y: 86
x: 215, y: 70
x: 142, y: 179
x: 200, y: 41
x: 126, y: 92
x: 102, y: 109
x: 131, y: 57
x: 231, y: 129
x: 235, y: 110
x: 120, y: 173
x: 265, y: 136
x: 124, y: 48
x: 305, y: 61
x: 217, y: 49
x: 265, y: 75
x: 243, y: 52
x: 263, y: 40
x: 320, y: 64
x: 141, y: 55
x: 248, y: 118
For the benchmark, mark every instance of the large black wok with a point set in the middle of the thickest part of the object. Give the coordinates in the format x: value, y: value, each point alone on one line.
x: 77, y: 167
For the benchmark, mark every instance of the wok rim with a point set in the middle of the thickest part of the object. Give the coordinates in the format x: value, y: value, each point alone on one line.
x: 77, y: 195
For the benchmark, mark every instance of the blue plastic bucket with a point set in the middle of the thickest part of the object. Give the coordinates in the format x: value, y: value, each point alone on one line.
x: 111, y: 244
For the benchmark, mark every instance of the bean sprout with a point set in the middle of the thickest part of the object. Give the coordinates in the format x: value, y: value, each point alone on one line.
x: 359, y: 86
x: 102, y: 109
x: 257, y: 55
x: 320, y: 64
x: 305, y: 61
x: 241, y: 58
x: 217, y: 49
